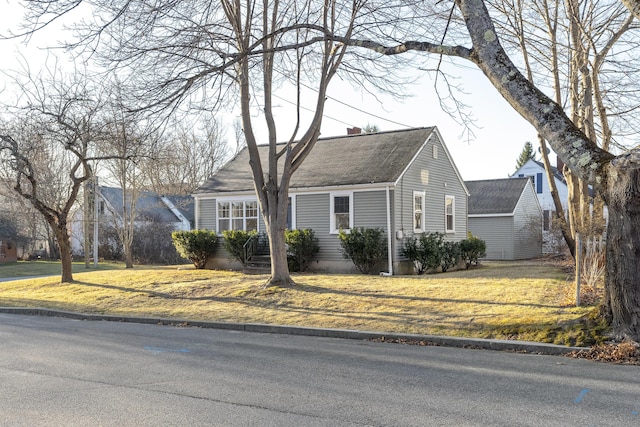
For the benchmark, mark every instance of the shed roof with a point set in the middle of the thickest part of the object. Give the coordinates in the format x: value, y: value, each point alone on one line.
x: 345, y: 160
x: 495, y: 196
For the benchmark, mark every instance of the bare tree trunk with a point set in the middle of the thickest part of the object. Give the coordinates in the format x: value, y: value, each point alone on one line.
x: 64, y: 245
x: 276, y: 225
x: 559, y: 211
x: 622, y: 297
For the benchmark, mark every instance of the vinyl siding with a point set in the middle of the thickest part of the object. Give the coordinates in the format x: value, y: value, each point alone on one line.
x: 312, y: 211
x: 527, y: 226
x: 497, y: 232
x: 437, y: 178
x: 207, y: 214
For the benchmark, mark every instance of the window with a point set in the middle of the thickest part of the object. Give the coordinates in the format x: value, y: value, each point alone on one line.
x: 435, y: 151
x: 341, y: 212
x: 238, y: 215
x: 418, y: 211
x: 251, y: 215
x: 224, y: 216
x: 449, y: 213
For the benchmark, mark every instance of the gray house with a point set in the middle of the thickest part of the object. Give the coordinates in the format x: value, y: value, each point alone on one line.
x: 404, y: 182
x: 506, y: 214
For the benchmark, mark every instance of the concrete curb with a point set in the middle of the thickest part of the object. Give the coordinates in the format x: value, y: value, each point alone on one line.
x: 475, y: 343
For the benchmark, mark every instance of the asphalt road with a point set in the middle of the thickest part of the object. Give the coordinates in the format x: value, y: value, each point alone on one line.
x: 62, y: 372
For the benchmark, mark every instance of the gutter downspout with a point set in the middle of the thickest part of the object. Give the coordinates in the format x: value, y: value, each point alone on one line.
x: 389, y: 237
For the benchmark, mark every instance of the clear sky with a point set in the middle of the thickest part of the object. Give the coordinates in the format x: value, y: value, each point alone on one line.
x: 500, y: 133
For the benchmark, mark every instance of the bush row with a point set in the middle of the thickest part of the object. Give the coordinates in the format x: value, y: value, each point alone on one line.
x: 430, y: 251
x: 366, y: 247
x: 199, y: 245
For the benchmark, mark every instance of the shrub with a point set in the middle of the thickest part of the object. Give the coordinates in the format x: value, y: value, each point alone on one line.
x: 366, y: 247
x: 234, y: 241
x: 424, y: 251
x: 302, y: 246
x: 450, y: 255
x: 195, y: 245
x: 152, y: 244
x: 472, y: 249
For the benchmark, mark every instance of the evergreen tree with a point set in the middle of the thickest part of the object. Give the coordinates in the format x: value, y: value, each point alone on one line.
x: 526, y: 154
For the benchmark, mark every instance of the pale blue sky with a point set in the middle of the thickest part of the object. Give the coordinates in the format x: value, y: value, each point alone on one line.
x: 500, y: 133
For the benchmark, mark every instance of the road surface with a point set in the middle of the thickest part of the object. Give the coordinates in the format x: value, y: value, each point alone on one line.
x: 62, y: 372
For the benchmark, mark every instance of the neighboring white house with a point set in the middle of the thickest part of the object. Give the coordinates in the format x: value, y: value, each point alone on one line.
x: 534, y: 170
x: 404, y: 182
x: 505, y: 213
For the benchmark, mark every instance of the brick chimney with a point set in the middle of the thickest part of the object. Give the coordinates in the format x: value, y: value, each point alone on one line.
x: 559, y: 164
x: 354, y: 131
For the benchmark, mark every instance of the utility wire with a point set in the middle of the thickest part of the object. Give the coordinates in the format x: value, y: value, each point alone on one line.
x: 346, y: 105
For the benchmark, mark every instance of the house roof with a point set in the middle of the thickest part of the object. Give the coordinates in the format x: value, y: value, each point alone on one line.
x: 345, y: 160
x: 149, y: 205
x: 495, y: 196
x: 185, y: 205
x: 557, y: 173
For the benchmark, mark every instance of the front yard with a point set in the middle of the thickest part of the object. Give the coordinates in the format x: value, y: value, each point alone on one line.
x: 508, y: 300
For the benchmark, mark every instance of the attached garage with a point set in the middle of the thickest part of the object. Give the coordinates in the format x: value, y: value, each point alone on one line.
x: 506, y: 214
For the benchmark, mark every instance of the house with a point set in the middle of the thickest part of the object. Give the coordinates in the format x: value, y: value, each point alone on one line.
x: 8, y: 250
x: 176, y: 211
x: 536, y: 172
x: 404, y: 182
x: 506, y: 214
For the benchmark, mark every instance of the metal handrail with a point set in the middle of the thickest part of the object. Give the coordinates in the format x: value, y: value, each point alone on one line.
x: 249, y: 248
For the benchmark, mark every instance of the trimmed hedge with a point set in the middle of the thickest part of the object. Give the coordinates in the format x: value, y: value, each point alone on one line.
x: 195, y: 245
x: 366, y: 247
x: 302, y: 247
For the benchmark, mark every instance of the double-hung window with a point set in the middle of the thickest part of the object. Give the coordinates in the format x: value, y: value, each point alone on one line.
x: 418, y: 211
x: 341, y: 212
x: 449, y: 213
x: 224, y: 216
x: 238, y: 215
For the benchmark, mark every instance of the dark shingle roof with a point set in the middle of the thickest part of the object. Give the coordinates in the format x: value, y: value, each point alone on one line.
x: 149, y: 206
x: 185, y: 205
x: 495, y: 196
x: 345, y: 160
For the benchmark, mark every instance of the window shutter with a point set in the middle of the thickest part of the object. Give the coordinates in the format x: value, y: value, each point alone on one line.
x: 539, y: 183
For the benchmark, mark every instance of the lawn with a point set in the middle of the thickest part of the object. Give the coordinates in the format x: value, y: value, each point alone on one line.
x: 506, y: 300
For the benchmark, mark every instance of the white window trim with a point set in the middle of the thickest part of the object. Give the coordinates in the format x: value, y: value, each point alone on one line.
x: 231, y: 217
x: 453, y: 213
x: 423, y: 195
x: 332, y: 218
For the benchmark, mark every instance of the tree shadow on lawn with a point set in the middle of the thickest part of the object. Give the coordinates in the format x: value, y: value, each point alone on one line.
x: 156, y: 294
x: 320, y: 290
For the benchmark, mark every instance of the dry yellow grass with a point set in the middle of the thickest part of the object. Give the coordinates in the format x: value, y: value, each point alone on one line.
x: 498, y: 300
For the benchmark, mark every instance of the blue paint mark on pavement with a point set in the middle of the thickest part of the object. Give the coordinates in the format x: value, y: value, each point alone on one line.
x: 581, y: 396
x: 634, y: 412
x: 158, y: 350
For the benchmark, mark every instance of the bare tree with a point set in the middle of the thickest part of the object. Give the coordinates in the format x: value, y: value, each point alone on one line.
x: 564, y: 45
x: 125, y: 140
x: 215, y: 53
x: 184, y: 156
x: 615, y: 177
x: 47, y: 147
